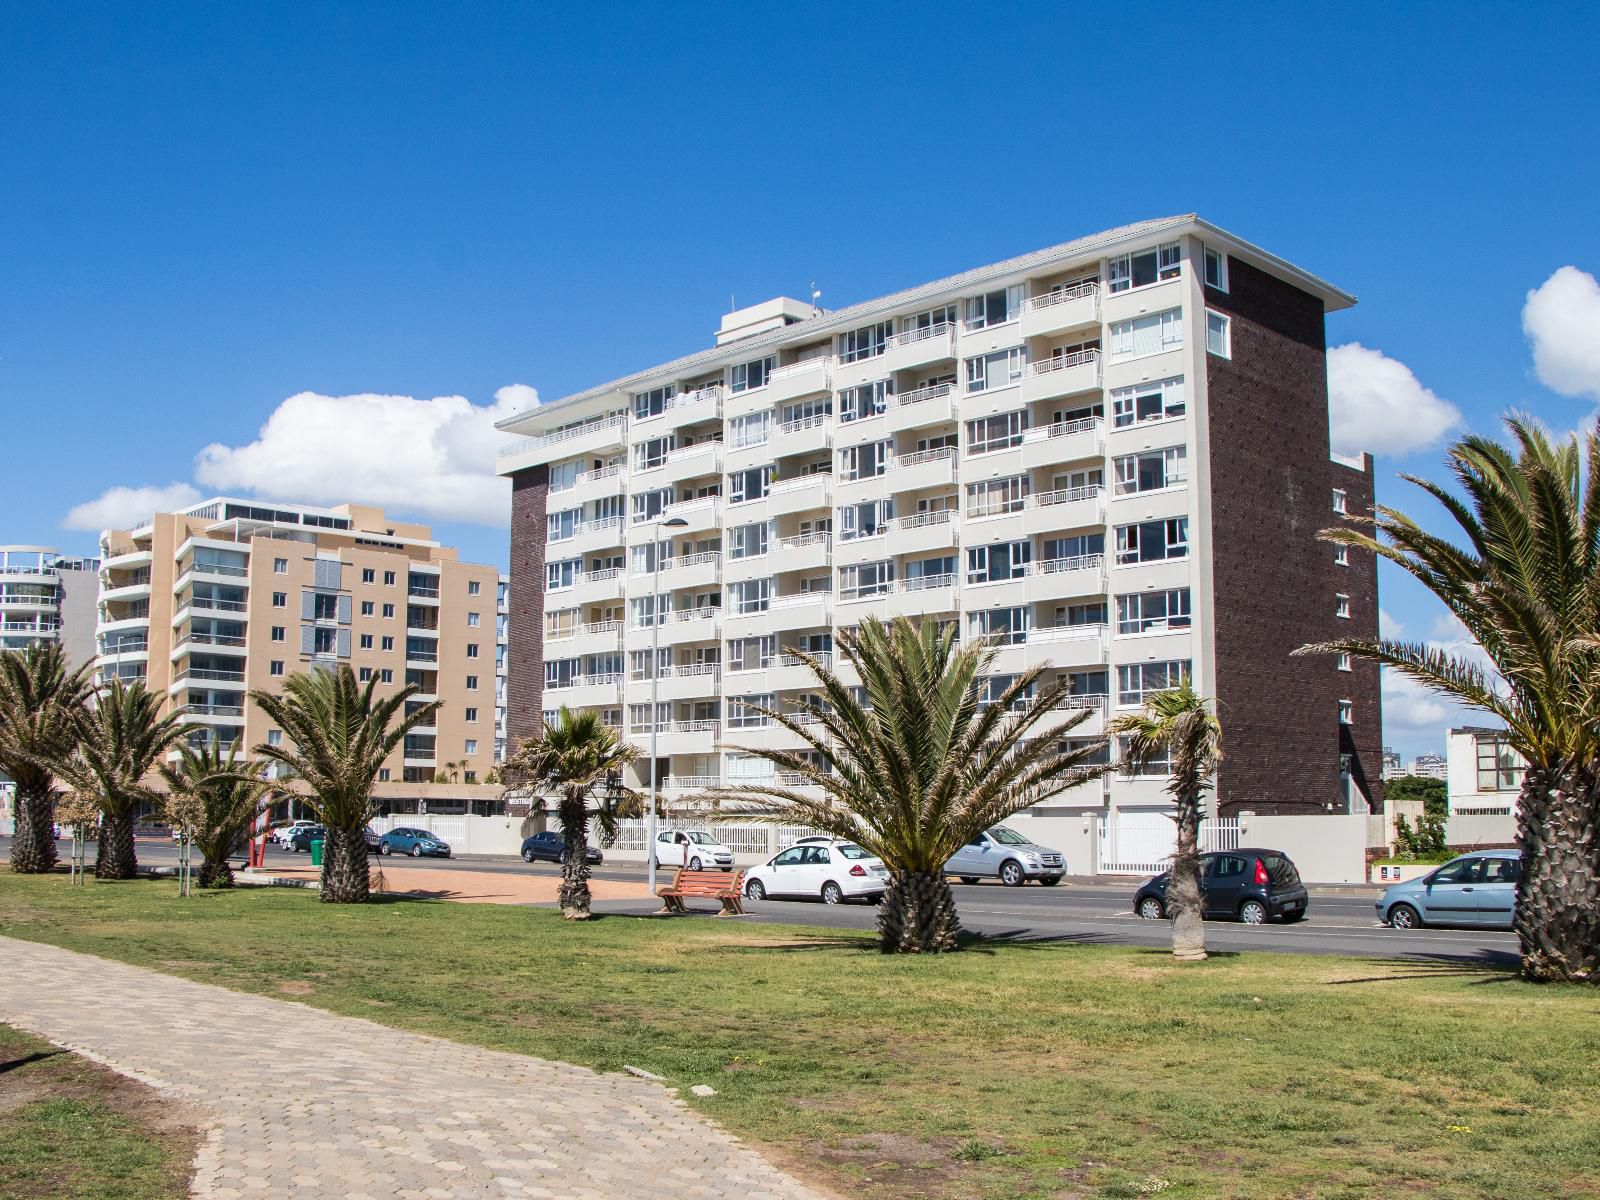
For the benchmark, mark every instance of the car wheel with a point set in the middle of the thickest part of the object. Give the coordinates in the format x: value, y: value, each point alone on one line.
x: 1253, y: 912
x: 416, y: 852
x: 1403, y: 916
x: 694, y: 864
x: 1151, y: 909
x: 756, y: 890
x: 832, y: 893
x: 385, y: 848
x: 1011, y: 873
x: 1050, y: 880
x: 969, y: 879
x: 527, y: 856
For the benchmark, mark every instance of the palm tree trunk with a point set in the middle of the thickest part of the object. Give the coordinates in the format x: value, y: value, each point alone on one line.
x: 33, y: 846
x: 1184, y: 905
x: 215, y: 873
x: 115, y: 858
x: 1558, y: 898
x: 344, y: 867
x: 918, y: 914
x: 574, y: 894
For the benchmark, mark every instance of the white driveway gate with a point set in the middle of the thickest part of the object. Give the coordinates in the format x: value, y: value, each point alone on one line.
x: 1141, y: 843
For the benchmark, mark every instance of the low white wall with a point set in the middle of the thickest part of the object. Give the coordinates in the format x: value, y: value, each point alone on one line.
x: 1463, y: 830
x: 1076, y: 837
x: 465, y: 835
x: 1326, y: 848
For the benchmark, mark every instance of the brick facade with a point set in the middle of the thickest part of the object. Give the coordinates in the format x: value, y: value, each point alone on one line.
x: 530, y: 490
x: 1274, y: 583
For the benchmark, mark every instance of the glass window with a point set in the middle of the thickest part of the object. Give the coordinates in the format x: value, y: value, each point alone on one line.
x: 748, y: 376
x: 749, y: 541
x: 752, y: 429
x: 1346, y: 712
x: 742, y: 712
x: 866, y: 579
x: 752, y: 653
x: 868, y: 400
x: 866, y: 342
x: 1003, y: 560
x: 997, y: 370
x: 1147, y: 402
x: 1339, y: 500
x: 1341, y: 606
x: 562, y: 574
x: 993, y: 308
x: 866, y: 461
x: 653, y: 402
x: 1341, y: 556
x: 751, y: 484
x: 865, y: 520
x: 1151, y: 471
x: 1500, y: 768
x: 1463, y: 870
x: 563, y: 477
x: 1216, y: 269
x: 999, y: 432
x: 651, y: 452
x: 1149, y: 334
x: 750, y: 595
x: 1008, y: 625
x: 1153, y: 612
x: 1153, y: 541
x: 1219, y: 335
x: 562, y: 525
x: 1138, y: 680
x: 1144, y: 267
x: 994, y: 496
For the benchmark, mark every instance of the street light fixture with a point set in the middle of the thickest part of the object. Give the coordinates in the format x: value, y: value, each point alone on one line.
x: 655, y: 683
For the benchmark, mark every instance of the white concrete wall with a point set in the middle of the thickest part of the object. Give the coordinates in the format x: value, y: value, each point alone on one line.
x: 1463, y: 831
x: 1076, y: 837
x: 1326, y: 849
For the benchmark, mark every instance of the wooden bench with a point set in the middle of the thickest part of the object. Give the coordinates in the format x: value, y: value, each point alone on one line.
x: 713, y: 885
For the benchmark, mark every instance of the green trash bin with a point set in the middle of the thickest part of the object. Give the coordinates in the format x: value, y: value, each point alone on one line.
x: 316, y: 852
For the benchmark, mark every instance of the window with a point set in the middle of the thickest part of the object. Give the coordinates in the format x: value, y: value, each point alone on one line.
x: 364, y: 675
x: 927, y: 324
x: 999, y: 432
x: 274, y: 737
x: 1138, y: 680
x: 386, y: 644
x: 388, y: 610
x: 472, y: 682
x: 1344, y: 661
x: 742, y: 712
x: 1009, y: 626
x: 1151, y: 471
x: 1144, y: 267
x: 752, y: 429
x: 368, y: 608
x: 866, y: 461
x: 1341, y: 606
x: 748, y: 541
x: 276, y: 667
x: 1147, y: 402
x: 1153, y: 541
x: 472, y: 745
x: 1003, y: 560
x: 993, y: 496
x: 472, y: 620
x: 865, y: 520
x: 652, y: 403
x: 277, y: 633
x: 388, y: 578
x: 368, y: 575
x: 1346, y: 713
x: 652, y: 452
x: 324, y: 606
x: 752, y: 653
x: 866, y: 579
x: 1153, y: 612
x: 1157, y: 766
x: 323, y: 641
x: 280, y: 566
x: 280, y: 599
x: 366, y: 641
x: 385, y: 675
x: 1341, y: 556
x: 1219, y: 335
x: 866, y: 342
x: 931, y: 572
x: 1151, y: 334
x: 994, y: 308
x: 1216, y: 269
x: 559, y: 526
x: 751, y: 484
x: 562, y: 574
x: 1339, y: 501
x: 472, y: 649
x: 868, y: 400
x: 1500, y: 768
x: 750, y: 595
x: 997, y: 370
x: 749, y: 376
x: 647, y: 506
x: 473, y: 587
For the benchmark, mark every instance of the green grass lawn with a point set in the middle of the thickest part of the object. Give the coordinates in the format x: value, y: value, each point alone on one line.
x: 1058, y: 1071
x: 72, y: 1130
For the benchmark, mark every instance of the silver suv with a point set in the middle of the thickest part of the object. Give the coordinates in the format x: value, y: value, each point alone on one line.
x: 1004, y: 853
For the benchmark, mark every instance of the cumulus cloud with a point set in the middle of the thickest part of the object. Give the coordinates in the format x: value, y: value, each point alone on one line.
x: 1389, y: 626
x: 1375, y: 403
x: 1409, y: 706
x: 1562, y: 321
x: 125, y: 507
x: 432, y: 457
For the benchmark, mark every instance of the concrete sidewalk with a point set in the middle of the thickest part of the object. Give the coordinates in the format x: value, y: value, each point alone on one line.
x: 306, y: 1104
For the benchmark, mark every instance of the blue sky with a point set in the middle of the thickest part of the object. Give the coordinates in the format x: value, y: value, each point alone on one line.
x: 206, y: 210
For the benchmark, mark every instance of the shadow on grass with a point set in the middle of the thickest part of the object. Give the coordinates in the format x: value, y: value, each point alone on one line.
x: 1480, y: 967
x: 26, y: 1059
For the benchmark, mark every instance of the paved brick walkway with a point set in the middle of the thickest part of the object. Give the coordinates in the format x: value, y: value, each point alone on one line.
x: 313, y: 1106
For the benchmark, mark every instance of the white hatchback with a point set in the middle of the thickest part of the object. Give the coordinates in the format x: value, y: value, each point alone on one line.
x: 830, y: 871
x: 692, y: 848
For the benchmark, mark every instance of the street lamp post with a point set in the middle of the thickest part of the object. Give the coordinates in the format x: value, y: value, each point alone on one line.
x: 655, y: 684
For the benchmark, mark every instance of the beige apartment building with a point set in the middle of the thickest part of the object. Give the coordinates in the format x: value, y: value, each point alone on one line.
x: 230, y: 596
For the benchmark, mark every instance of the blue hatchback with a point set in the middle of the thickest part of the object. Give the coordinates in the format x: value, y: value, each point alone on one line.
x: 1477, y: 889
x: 415, y: 842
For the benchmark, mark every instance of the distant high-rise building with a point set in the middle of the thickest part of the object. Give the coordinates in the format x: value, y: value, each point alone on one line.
x: 46, y: 596
x: 1430, y: 766
x: 1391, y: 763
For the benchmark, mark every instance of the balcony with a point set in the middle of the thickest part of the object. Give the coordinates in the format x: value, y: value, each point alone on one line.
x: 1063, y: 442
x: 800, y: 610
x: 803, y: 553
x: 1067, y: 508
x: 587, y: 537
x: 701, y: 513
x: 585, y: 691
x: 688, y: 682
x: 1059, y: 645
x: 221, y: 643
x: 924, y: 469
x: 1058, y: 311
x: 1038, y: 582
x: 936, y: 405
x: 686, y: 408
x: 590, y: 486
x: 808, y: 435
x: 691, y: 462
x: 420, y: 659
x: 594, y: 587
x: 209, y: 676
x: 802, y: 493
x: 910, y: 534
x: 134, y: 589
x: 592, y: 437
x: 596, y: 637
x: 912, y: 597
x: 208, y: 713
x: 913, y: 348
x: 423, y: 593
x: 1062, y: 375
x: 698, y: 624
x: 691, y: 571
x: 809, y: 378
x: 678, y: 737
x: 123, y: 560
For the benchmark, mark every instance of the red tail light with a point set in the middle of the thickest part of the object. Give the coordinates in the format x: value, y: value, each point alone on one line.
x: 1261, y: 872
x: 858, y: 869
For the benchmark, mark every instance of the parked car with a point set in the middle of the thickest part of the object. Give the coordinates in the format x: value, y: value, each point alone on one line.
x: 1476, y: 889
x: 301, y: 837
x: 1004, y: 853
x: 550, y: 846
x: 374, y: 842
x: 415, y: 842
x: 283, y: 834
x: 692, y: 848
x: 828, y: 869
x: 1253, y: 885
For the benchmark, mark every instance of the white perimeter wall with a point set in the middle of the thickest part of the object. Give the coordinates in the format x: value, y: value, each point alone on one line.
x: 1331, y: 848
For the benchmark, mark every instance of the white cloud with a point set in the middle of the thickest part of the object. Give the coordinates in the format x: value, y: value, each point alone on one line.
x: 125, y: 507
x: 1375, y: 403
x: 428, y: 457
x: 1408, y: 705
x: 1389, y: 627
x: 1562, y: 321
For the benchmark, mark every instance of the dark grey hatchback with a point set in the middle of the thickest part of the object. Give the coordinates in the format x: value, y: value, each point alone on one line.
x: 1249, y: 884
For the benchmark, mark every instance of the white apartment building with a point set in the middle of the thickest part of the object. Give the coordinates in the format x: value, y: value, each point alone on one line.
x: 47, y: 597
x: 502, y: 646
x: 1111, y: 455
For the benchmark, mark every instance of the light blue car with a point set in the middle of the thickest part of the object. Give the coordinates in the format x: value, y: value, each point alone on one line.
x: 1478, y: 889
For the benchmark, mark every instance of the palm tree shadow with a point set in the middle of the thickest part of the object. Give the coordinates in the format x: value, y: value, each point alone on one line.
x: 1484, y: 966
x: 26, y: 1059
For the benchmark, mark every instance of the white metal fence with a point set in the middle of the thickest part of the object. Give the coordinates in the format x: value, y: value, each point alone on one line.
x: 1143, y: 843
x: 745, y: 838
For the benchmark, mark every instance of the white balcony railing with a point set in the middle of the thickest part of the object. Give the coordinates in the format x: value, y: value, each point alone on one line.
x: 910, y: 337
x: 804, y: 423
x: 594, y: 627
x: 1061, y: 429
x: 1064, y: 496
x: 796, y: 482
x: 1062, y: 362
x: 938, y: 454
x: 796, y: 599
x: 691, y: 560
x: 575, y: 681
x: 523, y: 445
x: 1081, y: 562
x: 921, y: 395
x: 804, y: 540
x: 1077, y: 291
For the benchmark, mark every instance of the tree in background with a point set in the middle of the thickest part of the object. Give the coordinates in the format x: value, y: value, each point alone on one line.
x: 216, y: 800
x: 39, y: 702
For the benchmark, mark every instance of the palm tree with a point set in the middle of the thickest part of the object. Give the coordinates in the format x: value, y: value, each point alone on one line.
x: 922, y: 764
x: 39, y: 698
x: 339, y: 734
x: 120, y: 741
x: 576, y: 757
x: 217, y: 801
x: 1176, y: 725
x: 1526, y: 585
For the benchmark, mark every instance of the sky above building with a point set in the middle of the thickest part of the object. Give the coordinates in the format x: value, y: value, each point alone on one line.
x: 311, y: 252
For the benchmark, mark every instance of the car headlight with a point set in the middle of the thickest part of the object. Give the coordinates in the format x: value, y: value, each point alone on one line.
x: 1032, y: 859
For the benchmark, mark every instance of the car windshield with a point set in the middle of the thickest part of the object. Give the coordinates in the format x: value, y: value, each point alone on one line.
x: 1008, y: 837
x: 851, y: 850
x: 702, y: 839
x: 1280, y: 870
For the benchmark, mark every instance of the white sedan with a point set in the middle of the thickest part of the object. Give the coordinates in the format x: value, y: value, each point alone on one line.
x: 832, y: 872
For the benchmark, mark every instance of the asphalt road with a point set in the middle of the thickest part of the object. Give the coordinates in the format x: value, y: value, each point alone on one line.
x: 1339, y: 921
